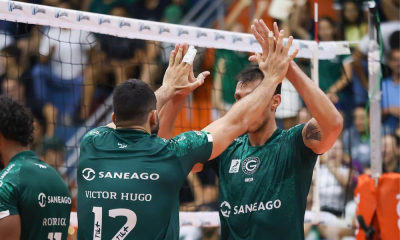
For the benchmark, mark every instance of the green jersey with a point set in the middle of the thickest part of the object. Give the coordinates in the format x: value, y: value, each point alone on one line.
x: 263, y: 190
x: 129, y: 182
x: 35, y: 191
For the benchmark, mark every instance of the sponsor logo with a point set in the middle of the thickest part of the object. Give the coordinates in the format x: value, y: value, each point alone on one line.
x: 250, y: 165
x: 219, y: 36
x: 42, y: 199
x: 303, y: 46
x: 89, y: 174
x: 235, y: 165
x: 236, y: 39
x: 162, y: 29
x: 81, y: 17
x: 94, y: 132
x: 253, y: 41
x: 122, y: 145
x: 8, y: 169
x: 102, y: 20
x: 37, y: 9
x: 122, y: 23
x: 12, y: 6
x: 198, y: 133
x: 181, y: 31
x: 59, y: 13
x: 143, y: 26
x: 225, y: 209
x: 201, y: 34
x: 248, y: 179
x: 40, y: 165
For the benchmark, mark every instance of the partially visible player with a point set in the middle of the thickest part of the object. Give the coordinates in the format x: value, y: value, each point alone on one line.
x: 129, y: 180
x: 34, y: 200
x: 265, y: 175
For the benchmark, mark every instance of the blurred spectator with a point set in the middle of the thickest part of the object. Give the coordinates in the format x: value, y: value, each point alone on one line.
x: 356, y: 142
x: 353, y: 26
x: 390, y: 154
x: 333, y: 181
x: 119, y: 59
x: 334, y: 81
x: 151, y: 10
x: 104, y: 6
x: 390, y: 93
x: 16, y: 91
x: 53, y: 154
x: 13, y: 69
x: 58, y: 79
x: 301, y: 23
x: 391, y: 10
x: 39, y: 125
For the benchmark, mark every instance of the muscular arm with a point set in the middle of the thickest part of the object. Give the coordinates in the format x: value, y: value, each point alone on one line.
x: 10, y: 227
x: 321, y: 132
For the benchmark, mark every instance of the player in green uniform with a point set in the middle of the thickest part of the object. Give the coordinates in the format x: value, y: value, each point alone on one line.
x: 34, y: 200
x: 128, y: 179
x: 265, y: 175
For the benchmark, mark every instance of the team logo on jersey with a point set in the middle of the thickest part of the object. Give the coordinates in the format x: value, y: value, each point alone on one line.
x: 225, y: 209
x: 40, y: 165
x: 88, y: 174
x: 122, y: 145
x: 250, y: 165
x: 42, y: 199
x: 235, y: 165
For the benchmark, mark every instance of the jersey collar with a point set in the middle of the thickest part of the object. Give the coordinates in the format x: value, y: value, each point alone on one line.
x: 133, y: 132
x: 23, y: 155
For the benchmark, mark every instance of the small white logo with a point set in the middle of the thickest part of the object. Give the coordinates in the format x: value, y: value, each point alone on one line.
x: 122, y: 145
x: 88, y: 174
x: 42, y: 200
x: 225, y: 209
x: 1, y: 183
x: 248, y: 179
x: 40, y: 165
x: 250, y: 165
x: 94, y: 132
x: 235, y: 164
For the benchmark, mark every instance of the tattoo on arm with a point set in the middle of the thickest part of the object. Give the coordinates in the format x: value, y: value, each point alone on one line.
x: 312, y: 133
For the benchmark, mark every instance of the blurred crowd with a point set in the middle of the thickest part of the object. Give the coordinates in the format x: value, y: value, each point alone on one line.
x: 64, y: 75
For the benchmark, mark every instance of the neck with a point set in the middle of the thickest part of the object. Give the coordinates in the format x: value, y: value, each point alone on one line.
x: 10, y: 150
x: 260, y: 137
x: 391, y: 165
x: 135, y: 127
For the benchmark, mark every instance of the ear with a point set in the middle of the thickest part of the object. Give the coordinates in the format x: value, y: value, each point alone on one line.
x: 113, y: 118
x: 275, y: 102
x: 153, y: 118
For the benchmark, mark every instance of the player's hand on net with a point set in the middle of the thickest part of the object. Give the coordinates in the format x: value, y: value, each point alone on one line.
x: 277, y: 62
x: 179, y: 75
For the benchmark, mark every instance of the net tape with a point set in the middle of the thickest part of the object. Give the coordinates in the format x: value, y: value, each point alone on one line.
x: 156, y: 31
x: 211, y: 219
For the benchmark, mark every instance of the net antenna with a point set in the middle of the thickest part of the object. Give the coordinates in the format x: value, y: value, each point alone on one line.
x: 374, y: 91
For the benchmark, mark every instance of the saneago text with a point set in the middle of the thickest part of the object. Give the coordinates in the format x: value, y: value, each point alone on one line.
x: 89, y: 174
x: 248, y: 208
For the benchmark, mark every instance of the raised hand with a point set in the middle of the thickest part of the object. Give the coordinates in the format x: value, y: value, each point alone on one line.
x: 179, y: 75
x: 276, y: 63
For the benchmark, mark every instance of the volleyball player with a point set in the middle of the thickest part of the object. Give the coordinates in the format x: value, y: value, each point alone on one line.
x: 34, y: 200
x: 129, y: 180
x: 265, y: 175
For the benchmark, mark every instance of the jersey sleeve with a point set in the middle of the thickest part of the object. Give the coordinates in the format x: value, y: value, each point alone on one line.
x: 97, y: 132
x: 8, y: 199
x: 191, y: 148
x: 307, y: 156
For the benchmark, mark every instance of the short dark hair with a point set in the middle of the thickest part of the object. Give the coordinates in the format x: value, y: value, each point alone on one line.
x: 253, y: 73
x: 394, y: 40
x: 16, y: 122
x: 12, y: 51
x: 133, y: 100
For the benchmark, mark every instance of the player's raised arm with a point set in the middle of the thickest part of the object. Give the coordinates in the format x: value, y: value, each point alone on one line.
x: 178, y: 83
x: 245, y: 112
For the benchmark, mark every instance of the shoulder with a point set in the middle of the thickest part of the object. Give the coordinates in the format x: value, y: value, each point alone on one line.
x: 94, y: 133
x: 10, y: 175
